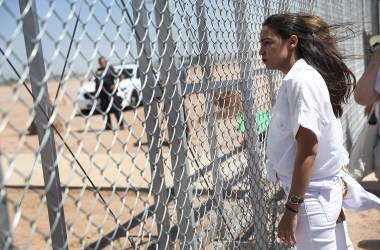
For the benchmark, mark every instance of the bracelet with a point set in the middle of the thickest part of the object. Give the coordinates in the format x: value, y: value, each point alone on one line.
x: 290, y: 209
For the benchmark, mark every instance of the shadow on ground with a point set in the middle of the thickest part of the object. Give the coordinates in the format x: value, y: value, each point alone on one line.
x: 370, y: 244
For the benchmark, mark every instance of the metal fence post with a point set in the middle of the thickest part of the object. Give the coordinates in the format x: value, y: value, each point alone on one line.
x: 45, y: 133
x: 175, y: 115
x: 205, y: 61
x: 5, y: 229
x: 152, y: 124
x: 256, y: 194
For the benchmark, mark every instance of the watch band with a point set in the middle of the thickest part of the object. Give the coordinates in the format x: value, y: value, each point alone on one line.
x: 294, y: 199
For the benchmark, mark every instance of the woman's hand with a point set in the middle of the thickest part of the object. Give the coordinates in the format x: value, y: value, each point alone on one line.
x: 287, y: 228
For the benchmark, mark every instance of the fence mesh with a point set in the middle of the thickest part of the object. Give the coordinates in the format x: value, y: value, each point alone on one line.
x: 164, y: 147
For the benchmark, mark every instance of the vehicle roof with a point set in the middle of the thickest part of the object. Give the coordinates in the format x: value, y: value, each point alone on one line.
x: 126, y: 66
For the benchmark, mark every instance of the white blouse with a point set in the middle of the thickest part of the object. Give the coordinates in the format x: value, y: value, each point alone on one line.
x: 303, y: 100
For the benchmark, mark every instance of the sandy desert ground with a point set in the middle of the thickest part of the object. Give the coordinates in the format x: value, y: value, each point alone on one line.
x: 85, y: 135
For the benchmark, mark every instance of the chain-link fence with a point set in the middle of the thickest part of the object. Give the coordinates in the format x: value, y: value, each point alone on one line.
x: 183, y: 163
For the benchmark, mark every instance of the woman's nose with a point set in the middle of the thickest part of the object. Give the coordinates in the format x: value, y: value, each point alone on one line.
x: 261, y: 51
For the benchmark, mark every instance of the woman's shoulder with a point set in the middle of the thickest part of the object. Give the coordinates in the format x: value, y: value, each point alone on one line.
x: 308, y: 77
x: 307, y: 82
x: 308, y: 73
x: 302, y: 72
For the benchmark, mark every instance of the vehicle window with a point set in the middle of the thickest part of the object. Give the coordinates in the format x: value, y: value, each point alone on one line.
x: 128, y: 73
x: 138, y: 73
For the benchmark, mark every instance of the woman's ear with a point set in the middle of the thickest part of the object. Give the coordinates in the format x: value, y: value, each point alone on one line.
x: 293, y: 42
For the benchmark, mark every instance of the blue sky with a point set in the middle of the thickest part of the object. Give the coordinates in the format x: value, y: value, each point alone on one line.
x: 105, y: 30
x: 102, y: 31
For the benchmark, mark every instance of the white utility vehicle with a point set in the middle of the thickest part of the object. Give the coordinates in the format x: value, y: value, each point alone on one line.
x: 129, y: 89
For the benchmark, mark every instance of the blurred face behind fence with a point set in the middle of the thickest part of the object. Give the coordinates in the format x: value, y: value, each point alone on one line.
x: 102, y: 62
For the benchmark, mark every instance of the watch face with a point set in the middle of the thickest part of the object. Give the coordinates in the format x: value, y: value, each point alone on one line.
x: 294, y: 199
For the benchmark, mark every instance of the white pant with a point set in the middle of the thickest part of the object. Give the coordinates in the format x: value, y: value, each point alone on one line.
x: 316, y: 222
x: 343, y: 240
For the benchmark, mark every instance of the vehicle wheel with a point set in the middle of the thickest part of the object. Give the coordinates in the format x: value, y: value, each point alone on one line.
x: 85, y: 112
x: 134, y: 99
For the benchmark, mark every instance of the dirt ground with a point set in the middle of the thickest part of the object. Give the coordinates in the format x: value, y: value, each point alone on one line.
x: 363, y: 226
x: 364, y: 229
x: 85, y: 216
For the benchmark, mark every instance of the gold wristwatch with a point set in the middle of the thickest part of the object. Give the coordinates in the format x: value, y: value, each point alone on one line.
x: 294, y: 199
